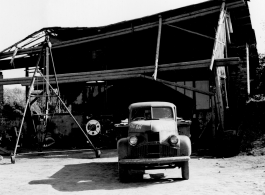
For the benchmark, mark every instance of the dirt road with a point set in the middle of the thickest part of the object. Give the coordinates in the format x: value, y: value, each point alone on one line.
x: 82, y: 173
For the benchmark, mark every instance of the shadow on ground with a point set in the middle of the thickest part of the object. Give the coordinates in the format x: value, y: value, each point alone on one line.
x: 94, y: 176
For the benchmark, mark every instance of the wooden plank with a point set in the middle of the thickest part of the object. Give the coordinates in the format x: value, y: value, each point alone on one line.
x: 220, y: 23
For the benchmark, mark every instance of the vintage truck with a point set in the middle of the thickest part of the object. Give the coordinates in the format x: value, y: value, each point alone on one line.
x: 153, y: 141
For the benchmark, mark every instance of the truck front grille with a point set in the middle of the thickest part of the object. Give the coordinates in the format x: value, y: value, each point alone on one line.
x: 153, y: 136
x: 153, y: 150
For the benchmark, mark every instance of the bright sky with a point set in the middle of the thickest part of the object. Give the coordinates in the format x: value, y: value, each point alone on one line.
x: 19, y: 18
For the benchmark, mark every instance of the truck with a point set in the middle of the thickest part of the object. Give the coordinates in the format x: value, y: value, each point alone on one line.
x: 153, y: 141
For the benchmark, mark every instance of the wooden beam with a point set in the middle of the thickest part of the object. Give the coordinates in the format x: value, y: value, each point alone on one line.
x: 103, y: 78
x: 122, y: 73
x: 178, y: 85
x: 237, y: 4
x: 192, y: 32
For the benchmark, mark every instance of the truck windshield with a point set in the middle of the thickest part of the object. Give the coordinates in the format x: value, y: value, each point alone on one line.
x: 162, y: 113
x: 148, y: 113
x: 142, y: 113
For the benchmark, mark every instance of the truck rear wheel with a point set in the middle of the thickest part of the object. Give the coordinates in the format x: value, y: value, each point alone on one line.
x: 123, y: 173
x: 185, y: 170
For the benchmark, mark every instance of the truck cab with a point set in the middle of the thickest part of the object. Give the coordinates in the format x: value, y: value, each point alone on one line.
x: 153, y: 140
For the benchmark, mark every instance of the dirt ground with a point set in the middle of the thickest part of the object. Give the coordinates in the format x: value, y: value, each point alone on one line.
x: 82, y: 173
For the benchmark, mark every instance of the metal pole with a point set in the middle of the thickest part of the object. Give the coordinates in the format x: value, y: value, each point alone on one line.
x: 25, y: 110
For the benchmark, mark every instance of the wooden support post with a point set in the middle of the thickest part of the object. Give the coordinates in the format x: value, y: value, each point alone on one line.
x: 226, y: 97
x: 47, y: 84
x: 158, y: 46
x: 218, y: 100
x: 1, y: 89
x: 248, y: 77
x: 27, y: 75
x: 213, y: 116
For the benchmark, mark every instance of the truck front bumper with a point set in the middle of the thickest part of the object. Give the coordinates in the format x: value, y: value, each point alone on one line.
x: 154, y: 161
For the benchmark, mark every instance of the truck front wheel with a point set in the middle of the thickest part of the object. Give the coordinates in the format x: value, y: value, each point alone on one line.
x: 185, y: 170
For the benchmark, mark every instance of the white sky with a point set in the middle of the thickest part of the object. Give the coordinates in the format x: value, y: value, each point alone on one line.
x: 19, y: 18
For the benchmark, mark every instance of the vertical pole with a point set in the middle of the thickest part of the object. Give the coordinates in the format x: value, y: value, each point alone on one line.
x: 158, y: 47
x: 213, y: 106
x: 248, y: 76
x: 47, y: 84
x: 27, y: 75
x: 218, y: 99
x: 1, y: 89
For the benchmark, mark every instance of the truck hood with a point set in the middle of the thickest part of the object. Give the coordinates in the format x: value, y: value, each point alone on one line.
x: 164, y: 127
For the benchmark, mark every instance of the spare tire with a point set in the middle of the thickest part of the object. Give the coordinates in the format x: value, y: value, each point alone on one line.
x: 93, y: 127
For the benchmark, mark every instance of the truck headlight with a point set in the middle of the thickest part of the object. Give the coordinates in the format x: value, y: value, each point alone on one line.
x: 173, y: 140
x: 133, y: 140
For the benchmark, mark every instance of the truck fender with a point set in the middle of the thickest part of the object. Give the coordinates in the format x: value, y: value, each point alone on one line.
x: 185, y: 145
x: 122, y: 147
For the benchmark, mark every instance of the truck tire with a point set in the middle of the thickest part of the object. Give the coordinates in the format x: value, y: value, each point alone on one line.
x: 123, y: 173
x: 185, y: 170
